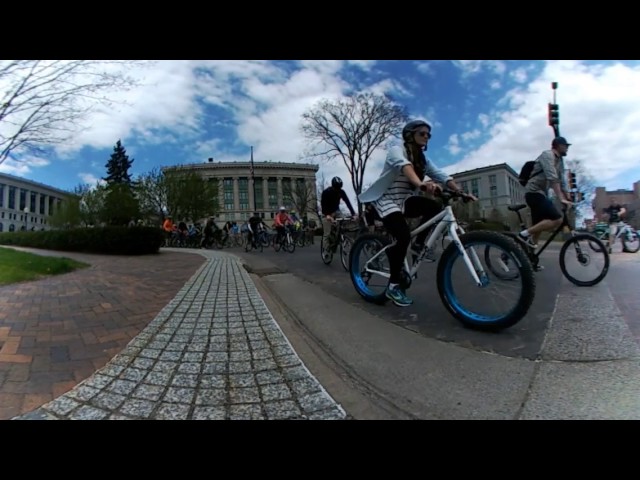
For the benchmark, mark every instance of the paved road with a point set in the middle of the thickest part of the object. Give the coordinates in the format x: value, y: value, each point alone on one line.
x: 624, y: 287
x: 428, y: 316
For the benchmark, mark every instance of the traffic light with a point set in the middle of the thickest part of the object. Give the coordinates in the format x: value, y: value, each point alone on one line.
x: 572, y: 180
x: 554, y: 115
x: 573, y: 196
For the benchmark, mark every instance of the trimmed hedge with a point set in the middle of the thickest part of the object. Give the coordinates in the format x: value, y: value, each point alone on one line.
x: 103, y: 240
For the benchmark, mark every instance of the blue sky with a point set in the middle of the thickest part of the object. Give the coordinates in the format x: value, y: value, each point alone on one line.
x: 484, y: 112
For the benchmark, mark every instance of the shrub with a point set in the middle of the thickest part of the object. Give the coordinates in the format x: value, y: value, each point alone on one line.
x: 105, y: 240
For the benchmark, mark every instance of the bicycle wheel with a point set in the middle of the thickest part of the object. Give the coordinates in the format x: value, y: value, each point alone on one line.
x: 345, y: 250
x: 367, y: 271
x: 325, y: 253
x: 290, y: 245
x: 630, y: 242
x: 473, y: 317
x: 586, y: 261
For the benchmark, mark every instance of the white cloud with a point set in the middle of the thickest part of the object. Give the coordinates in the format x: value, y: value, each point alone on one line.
x: 24, y: 166
x: 483, y: 118
x: 471, y: 67
x: 599, y: 114
x: 454, y: 144
x: 425, y: 68
x: 472, y: 135
x: 495, y: 84
x: 90, y: 179
x: 519, y: 75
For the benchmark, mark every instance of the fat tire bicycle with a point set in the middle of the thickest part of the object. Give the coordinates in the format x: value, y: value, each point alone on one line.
x: 445, y: 223
x: 504, y: 270
x: 624, y: 232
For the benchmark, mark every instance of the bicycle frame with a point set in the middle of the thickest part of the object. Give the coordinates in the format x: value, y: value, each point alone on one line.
x: 622, y: 228
x: 446, y: 221
x: 536, y: 253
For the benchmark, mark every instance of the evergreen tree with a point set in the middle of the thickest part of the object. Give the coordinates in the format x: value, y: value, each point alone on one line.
x: 118, y: 166
x: 121, y: 204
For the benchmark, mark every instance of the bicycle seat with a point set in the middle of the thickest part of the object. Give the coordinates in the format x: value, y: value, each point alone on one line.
x: 515, y: 208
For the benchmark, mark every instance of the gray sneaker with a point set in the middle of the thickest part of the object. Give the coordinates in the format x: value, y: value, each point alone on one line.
x: 398, y: 297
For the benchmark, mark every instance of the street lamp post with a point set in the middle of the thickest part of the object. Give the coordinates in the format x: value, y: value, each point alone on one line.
x: 26, y: 216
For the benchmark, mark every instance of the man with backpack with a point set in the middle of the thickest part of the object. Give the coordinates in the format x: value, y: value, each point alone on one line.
x: 546, y: 171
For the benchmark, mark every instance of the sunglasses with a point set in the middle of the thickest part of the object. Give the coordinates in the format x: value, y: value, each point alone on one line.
x: 424, y: 134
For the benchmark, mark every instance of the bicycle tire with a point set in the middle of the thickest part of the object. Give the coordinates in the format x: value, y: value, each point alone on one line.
x: 624, y: 243
x: 591, y: 239
x: 470, y: 319
x: 344, y: 259
x: 356, y: 275
x: 329, y: 257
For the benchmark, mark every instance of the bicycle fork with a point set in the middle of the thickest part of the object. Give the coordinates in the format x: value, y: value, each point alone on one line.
x: 473, y: 264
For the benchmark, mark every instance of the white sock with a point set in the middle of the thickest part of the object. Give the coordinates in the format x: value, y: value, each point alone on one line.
x: 392, y: 286
x: 524, y: 233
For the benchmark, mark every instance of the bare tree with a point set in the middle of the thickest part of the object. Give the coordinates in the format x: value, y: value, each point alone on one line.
x: 585, y: 186
x: 352, y: 129
x: 43, y: 101
x: 321, y: 184
x: 301, y: 195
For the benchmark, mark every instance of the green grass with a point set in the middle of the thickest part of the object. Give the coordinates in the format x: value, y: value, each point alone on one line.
x: 16, y: 266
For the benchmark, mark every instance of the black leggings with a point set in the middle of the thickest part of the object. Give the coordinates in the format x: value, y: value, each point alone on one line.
x: 397, y: 226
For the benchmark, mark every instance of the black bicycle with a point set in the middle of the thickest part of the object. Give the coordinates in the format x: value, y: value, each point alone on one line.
x: 504, y: 268
x: 338, y: 239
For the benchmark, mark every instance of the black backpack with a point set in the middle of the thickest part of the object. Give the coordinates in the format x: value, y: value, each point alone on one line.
x: 525, y: 173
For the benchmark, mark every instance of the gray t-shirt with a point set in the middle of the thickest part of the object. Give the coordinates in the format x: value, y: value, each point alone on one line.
x: 547, y: 170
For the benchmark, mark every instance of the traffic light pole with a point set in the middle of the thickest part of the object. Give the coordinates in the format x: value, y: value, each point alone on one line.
x: 554, y: 112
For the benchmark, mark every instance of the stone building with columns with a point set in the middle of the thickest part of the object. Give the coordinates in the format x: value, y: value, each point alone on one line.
x: 25, y: 204
x: 274, y: 184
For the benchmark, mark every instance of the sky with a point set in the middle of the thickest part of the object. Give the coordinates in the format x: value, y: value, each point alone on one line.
x: 484, y: 112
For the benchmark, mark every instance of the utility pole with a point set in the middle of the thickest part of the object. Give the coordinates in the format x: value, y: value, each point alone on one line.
x: 253, y: 182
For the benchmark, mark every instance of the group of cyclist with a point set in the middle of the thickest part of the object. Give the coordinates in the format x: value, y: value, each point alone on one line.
x: 395, y: 196
x: 407, y: 171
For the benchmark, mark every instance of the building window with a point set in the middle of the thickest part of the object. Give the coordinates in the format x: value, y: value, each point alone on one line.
x: 243, y: 193
x: 12, y: 198
x: 286, y: 192
x: 272, y: 189
x: 475, y: 191
x: 464, y: 186
x: 42, y: 200
x: 1, y: 195
x: 23, y: 199
x: 492, y: 179
x: 259, y: 193
x: 227, y: 189
x: 51, y: 201
x: 493, y: 191
x: 32, y: 203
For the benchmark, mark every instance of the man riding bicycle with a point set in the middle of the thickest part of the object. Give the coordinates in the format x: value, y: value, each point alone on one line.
x: 548, y: 172
x: 255, y: 226
x: 614, y: 213
x: 280, y: 223
x: 330, y: 207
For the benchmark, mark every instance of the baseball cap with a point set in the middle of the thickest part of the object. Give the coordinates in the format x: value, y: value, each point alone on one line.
x: 560, y: 141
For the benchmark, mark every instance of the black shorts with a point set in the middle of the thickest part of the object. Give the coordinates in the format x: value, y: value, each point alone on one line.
x: 542, y: 208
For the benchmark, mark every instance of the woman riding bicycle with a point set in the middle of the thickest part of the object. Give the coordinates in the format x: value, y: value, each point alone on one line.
x: 394, y: 197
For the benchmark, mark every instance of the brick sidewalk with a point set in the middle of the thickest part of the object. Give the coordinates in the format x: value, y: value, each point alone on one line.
x: 56, y: 332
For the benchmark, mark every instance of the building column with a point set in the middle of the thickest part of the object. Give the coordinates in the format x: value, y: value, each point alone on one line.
x: 5, y: 195
x: 280, y: 200
x: 250, y: 187
x: 236, y: 195
x: 46, y: 205
x: 16, y: 199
